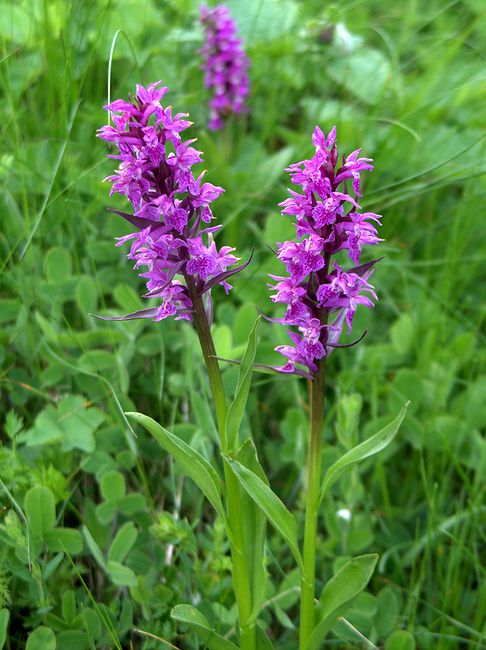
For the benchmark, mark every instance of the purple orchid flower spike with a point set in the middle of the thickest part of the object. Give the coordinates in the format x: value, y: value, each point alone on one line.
x: 327, y: 221
x: 225, y: 65
x: 178, y: 256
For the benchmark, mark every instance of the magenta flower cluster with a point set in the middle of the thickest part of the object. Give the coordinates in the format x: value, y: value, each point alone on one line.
x: 173, y: 244
x: 225, y: 65
x: 320, y: 298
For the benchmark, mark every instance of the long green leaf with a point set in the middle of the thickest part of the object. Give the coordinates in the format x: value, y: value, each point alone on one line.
x: 253, y: 530
x: 339, y: 594
x: 4, y: 617
x: 237, y: 407
x: 193, y: 618
x: 263, y: 642
x: 274, y: 509
x: 191, y: 461
x: 123, y: 542
x: 369, y: 447
x: 40, y: 510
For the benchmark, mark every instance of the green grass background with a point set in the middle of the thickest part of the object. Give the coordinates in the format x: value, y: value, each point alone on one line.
x: 406, y: 81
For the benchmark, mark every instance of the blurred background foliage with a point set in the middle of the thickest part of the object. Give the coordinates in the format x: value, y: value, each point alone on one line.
x: 100, y: 534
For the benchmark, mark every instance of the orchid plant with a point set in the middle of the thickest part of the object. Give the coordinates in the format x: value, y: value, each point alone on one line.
x: 173, y: 246
x: 225, y: 65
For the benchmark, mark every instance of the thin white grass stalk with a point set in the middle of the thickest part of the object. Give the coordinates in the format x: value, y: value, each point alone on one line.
x: 176, y: 514
x: 110, y: 59
x: 157, y: 638
x: 367, y: 642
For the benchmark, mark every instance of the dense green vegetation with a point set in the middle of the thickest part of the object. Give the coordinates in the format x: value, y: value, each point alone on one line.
x: 405, y: 81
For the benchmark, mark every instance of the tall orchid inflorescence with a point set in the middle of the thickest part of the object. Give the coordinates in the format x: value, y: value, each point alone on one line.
x: 225, y: 65
x: 171, y: 207
x: 320, y: 297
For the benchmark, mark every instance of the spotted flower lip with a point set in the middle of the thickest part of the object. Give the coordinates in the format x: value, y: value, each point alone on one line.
x: 319, y: 295
x: 173, y: 244
x: 225, y: 65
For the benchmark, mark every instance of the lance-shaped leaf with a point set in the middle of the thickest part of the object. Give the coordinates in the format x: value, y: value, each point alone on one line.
x: 139, y: 222
x: 274, y: 509
x: 363, y: 269
x: 4, y: 618
x: 192, y: 617
x: 263, y: 642
x: 339, y: 593
x: 191, y: 461
x: 268, y: 370
x: 141, y: 313
x: 253, y: 532
x: 237, y: 407
x: 368, y: 448
x: 347, y: 345
x: 227, y: 274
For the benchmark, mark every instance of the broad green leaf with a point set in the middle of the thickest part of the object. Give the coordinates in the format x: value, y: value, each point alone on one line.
x: 73, y: 640
x: 400, y: 640
x: 42, y: 638
x: 106, y: 511
x: 368, y: 448
x: 388, y: 610
x: 121, y: 575
x: 193, y: 618
x: 364, y: 73
x: 72, y: 422
x: 112, y: 486
x: 127, y: 298
x: 339, y: 594
x: 254, y: 529
x: 4, y: 616
x: 9, y: 309
x: 123, y: 542
x: 40, y: 510
x: 402, y: 334
x: 263, y: 642
x: 237, y: 407
x: 87, y: 294
x: 58, y: 264
x: 191, y: 461
x: 132, y: 503
x: 59, y: 540
x: 68, y: 605
x: 274, y: 509
x: 92, y: 622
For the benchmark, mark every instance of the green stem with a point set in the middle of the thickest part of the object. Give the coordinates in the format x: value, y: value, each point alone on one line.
x: 313, y: 479
x: 241, y: 581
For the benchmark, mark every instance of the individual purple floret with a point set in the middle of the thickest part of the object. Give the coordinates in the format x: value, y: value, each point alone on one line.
x: 319, y: 297
x: 225, y: 65
x: 170, y: 205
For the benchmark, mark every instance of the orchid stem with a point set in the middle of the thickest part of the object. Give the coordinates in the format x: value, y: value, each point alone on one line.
x: 313, y: 478
x: 241, y: 581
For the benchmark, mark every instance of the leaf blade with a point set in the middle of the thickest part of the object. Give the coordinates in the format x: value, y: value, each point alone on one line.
x: 274, y: 509
x: 40, y: 510
x: 368, y: 448
x: 237, y: 407
x: 193, y: 464
x: 339, y: 594
x: 192, y: 617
